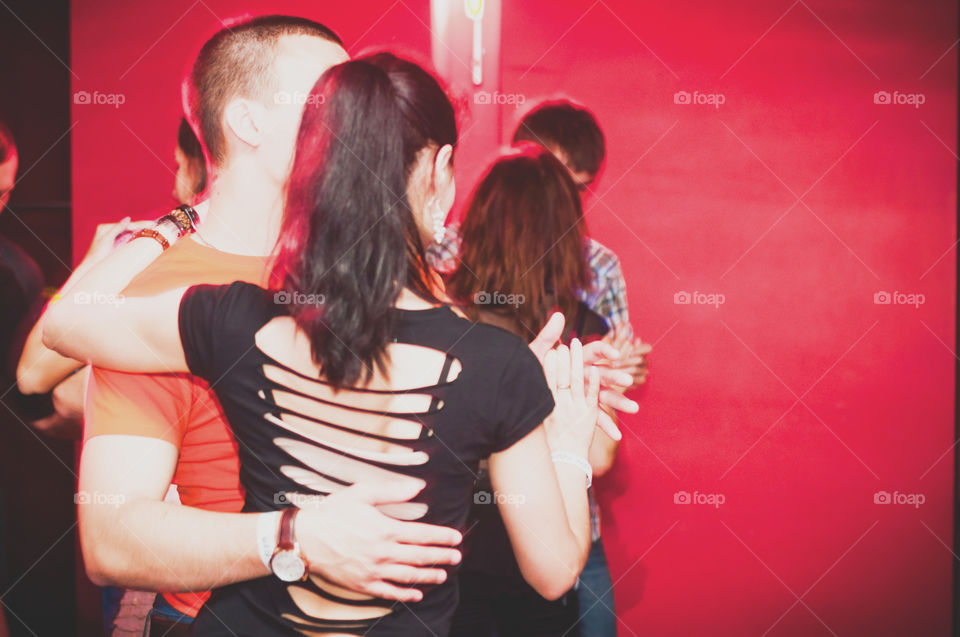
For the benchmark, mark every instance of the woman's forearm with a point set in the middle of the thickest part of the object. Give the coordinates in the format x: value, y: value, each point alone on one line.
x: 101, y: 285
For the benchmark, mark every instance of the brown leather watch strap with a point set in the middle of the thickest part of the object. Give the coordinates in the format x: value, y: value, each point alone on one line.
x: 285, y: 536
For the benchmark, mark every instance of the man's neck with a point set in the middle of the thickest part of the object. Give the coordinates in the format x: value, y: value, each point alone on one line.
x: 244, y: 214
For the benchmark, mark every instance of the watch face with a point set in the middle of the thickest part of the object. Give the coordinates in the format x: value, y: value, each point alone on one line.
x: 288, y: 566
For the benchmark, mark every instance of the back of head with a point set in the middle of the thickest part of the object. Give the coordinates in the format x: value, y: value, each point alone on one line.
x: 349, y: 242
x: 8, y: 147
x: 522, y: 240
x: 567, y: 129
x: 237, y: 62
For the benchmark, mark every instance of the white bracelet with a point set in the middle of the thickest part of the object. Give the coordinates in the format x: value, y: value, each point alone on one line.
x: 267, y: 528
x: 578, y: 461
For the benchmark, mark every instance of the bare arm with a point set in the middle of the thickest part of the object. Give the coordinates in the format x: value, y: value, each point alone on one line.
x: 548, y: 519
x: 96, y: 324
x: 40, y: 369
x: 131, y: 537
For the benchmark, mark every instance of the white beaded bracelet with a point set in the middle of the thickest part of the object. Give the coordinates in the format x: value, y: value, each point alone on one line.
x: 578, y: 461
x: 267, y: 525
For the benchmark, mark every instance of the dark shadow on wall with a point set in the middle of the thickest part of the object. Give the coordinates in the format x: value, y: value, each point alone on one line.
x: 38, y: 562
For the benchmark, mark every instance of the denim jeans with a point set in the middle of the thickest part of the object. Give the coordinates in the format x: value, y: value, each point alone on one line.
x: 598, y: 617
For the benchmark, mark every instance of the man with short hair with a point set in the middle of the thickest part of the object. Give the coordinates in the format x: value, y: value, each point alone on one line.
x: 573, y: 135
x: 146, y: 432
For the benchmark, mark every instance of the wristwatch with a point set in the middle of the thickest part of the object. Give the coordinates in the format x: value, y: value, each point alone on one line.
x: 288, y: 562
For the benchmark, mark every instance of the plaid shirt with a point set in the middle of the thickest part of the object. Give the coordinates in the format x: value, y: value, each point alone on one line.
x: 607, y: 296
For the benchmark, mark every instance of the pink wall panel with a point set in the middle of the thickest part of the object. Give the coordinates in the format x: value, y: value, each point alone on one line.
x: 798, y: 398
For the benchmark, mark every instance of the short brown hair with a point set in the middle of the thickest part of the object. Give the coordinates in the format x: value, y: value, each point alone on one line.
x: 237, y: 61
x: 563, y: 126
x: 523, y: 236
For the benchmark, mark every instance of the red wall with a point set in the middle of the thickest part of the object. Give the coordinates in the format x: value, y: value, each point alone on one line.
x: 798, y: 398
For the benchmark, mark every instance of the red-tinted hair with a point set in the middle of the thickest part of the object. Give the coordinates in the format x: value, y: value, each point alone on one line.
x: 523, y: 240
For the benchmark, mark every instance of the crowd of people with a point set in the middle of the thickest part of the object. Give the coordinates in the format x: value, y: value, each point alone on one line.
x: 317, y: 399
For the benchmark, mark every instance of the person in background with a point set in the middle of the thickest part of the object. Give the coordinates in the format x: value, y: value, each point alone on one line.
x: 21, y: 284
x: 573, y: 135
x: 191, y: 178
x: 40, y: 371
x: 521, y: 257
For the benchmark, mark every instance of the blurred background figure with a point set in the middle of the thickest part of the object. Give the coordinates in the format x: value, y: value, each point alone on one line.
x: 20, y: 286
x: 572, y: 134
x: 42, y: 372
x: 521, y: 257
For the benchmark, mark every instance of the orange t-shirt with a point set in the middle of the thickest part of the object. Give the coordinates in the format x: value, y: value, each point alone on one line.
x: 178, y: 408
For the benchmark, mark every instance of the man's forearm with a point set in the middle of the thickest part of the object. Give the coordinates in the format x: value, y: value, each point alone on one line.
x: 156, y: 545
x: 40, y: 369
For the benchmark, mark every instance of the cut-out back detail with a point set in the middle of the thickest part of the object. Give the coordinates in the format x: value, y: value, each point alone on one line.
x: 452, y: 393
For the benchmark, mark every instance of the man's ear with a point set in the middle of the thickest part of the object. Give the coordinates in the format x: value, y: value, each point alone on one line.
x: 246, y: 119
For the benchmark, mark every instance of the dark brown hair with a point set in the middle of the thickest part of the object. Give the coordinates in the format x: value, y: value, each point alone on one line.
x: 563, y: 126
x: 523, y: 241
x: 192, y: 151
x: 238, y: 60
x: 349, y: 242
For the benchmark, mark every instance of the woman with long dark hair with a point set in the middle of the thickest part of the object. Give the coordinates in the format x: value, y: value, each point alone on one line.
x: 522, y: 256
x: 352, y: 371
